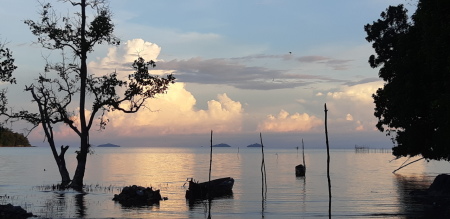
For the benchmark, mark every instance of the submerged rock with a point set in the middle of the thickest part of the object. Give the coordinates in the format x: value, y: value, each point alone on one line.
x: 435, y: 199
x: 138, y: 196
x: 10, y: 211
x: 440, y: 186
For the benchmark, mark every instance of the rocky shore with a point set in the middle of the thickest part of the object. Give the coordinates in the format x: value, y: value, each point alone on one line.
x: 13, y: 212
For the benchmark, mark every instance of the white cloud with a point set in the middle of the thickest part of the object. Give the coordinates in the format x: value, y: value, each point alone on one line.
x: 172, y: 113
x: 360, y: 127
x: 351, y: 108
x: 360, y: 92
x: 175, y: 113
x: 284, y: 122
x: 349, y: 117
x: 121, y: 57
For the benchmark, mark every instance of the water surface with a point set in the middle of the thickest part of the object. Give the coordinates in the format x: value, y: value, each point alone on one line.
x: 363, y: 185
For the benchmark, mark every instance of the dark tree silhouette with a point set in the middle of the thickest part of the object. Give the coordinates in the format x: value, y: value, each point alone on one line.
x: 68, y: 84
x: 6, y: 69
x: 413, y: 106
x: 6, y: 65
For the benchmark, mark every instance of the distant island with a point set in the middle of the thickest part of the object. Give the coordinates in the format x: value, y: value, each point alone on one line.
x: 8, y: 138
x: 222, y: 145
x: 255, y: 145
x: 108, y: 145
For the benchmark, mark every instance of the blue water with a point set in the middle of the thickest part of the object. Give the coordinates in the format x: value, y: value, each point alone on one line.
x: 363, y: 185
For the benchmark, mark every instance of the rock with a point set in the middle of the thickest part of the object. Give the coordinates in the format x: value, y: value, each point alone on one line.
x: 138, y: 196
x: 440, y: 186
x: 10, y: 211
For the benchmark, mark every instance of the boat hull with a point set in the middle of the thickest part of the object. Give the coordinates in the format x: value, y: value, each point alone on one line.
x: 212, y: 189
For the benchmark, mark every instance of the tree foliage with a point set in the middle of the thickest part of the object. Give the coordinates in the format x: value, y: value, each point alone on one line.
x: 413, y: 55
x: 10, y: 138
x: 7, y: 68
x: 66, y: 90
x: 6, y: 65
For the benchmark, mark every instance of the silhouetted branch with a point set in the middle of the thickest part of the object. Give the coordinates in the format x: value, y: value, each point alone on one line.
x: 404, y: 165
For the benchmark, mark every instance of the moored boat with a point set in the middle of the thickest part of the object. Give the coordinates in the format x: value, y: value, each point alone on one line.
x: 210, y: 189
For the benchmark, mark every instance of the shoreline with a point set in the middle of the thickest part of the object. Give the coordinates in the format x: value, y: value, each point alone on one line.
x: 19, y: 146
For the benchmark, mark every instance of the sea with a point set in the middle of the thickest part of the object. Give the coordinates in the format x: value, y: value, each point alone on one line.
x: 362, y: 183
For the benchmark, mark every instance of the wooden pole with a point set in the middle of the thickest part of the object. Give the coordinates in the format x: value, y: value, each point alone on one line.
x: 209, y: 178
x: 263, y: 169
x: 328, y: 163
x: 263, y: 178
x: 303, y: 149
x: 210, y: 158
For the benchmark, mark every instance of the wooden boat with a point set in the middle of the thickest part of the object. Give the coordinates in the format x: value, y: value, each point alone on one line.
x: 210, y: 189
x: 300, y: 169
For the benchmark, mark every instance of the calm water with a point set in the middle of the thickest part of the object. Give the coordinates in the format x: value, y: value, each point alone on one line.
x: 362, y: 183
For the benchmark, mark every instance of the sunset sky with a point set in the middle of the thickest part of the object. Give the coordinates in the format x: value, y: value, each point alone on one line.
x: 242, y: 67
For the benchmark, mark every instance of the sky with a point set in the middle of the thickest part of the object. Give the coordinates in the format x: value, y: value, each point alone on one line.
x: 242, y: 68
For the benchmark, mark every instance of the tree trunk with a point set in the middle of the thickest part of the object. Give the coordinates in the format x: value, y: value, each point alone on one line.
x: 65, y: 177
x: 60, y: 161
x: 77, y: 181
x: 48, y: 130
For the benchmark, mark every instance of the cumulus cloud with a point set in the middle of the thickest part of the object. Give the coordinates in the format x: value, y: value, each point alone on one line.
x: 351, y: 106
x: 121, y: 57
x: 175, y: 113
x: 359, y: 93
x: 360, y: 126
x: 285, y: 122
x: 349, y: 117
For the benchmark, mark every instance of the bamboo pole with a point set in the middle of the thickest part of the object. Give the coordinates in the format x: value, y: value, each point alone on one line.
x: 263, y: 178
x: 263, y: 170
x: 209, y: 178
x: 328, y: 163
x: 303, y: 151
x: 210, y: 158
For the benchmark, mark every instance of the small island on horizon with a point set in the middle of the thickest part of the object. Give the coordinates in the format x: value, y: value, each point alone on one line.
x: 108, y: 145
x: 222, y: 145
x: 255, y: 145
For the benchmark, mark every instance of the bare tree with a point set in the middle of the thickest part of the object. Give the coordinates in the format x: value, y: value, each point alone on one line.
x: 55, y: 90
